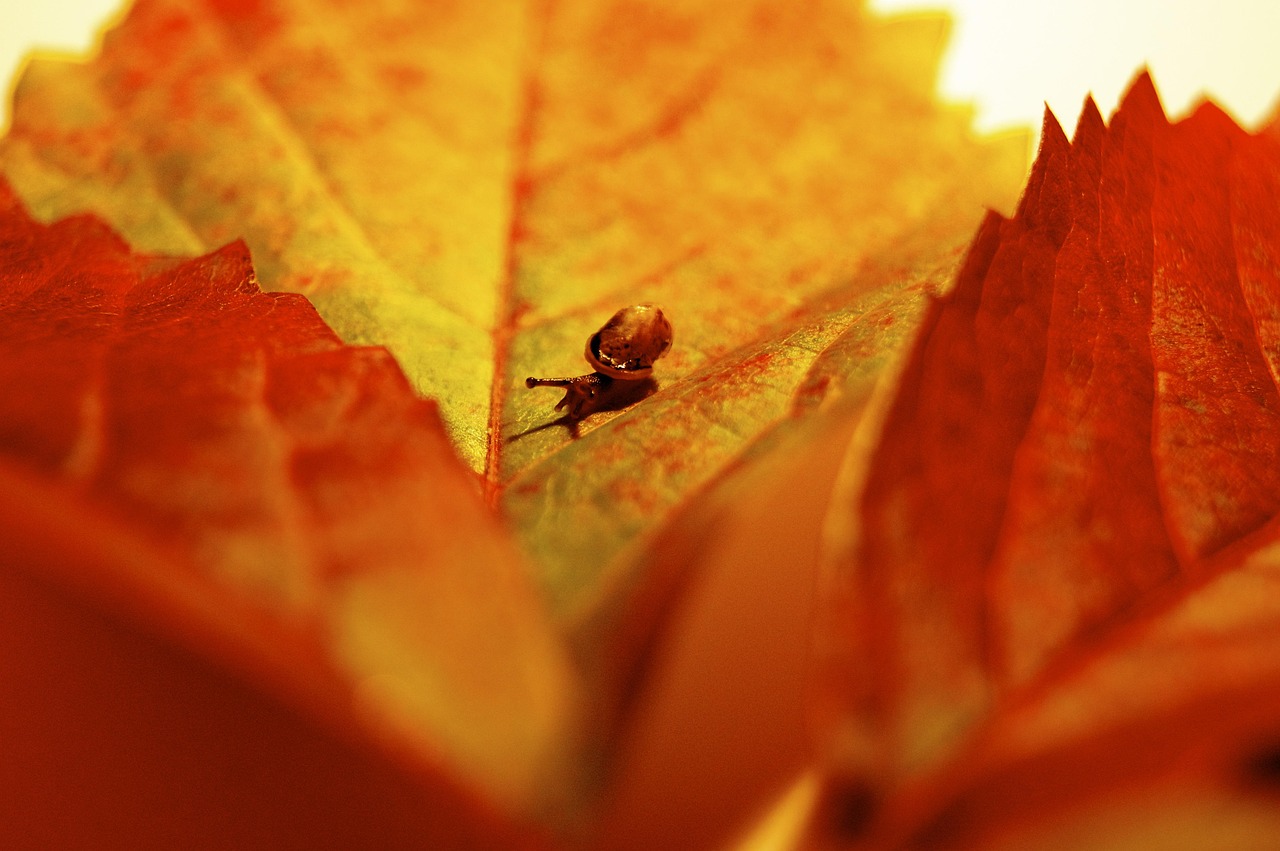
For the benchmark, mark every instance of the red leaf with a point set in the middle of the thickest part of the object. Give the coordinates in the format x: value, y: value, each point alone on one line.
x: 208, y: 463
x: 1077, y: 462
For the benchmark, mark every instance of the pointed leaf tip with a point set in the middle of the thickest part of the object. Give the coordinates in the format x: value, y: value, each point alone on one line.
x: 1052, y: 137
x: 1141, y: 97
x: 1054, y: 148
x: 1053, y: 144
x: 1090, y: 125
x: 1212, y: 118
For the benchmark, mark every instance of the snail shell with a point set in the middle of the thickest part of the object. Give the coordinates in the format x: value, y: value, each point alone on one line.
x: 629, y: 343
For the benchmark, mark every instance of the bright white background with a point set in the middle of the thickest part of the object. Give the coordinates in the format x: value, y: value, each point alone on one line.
x: 1012, y: 56
x: 1007, y: 56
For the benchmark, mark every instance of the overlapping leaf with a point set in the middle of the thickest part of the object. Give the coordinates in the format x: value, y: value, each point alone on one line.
x: 479, y: 186
x: 1058, y: 606
x: 214, y: 462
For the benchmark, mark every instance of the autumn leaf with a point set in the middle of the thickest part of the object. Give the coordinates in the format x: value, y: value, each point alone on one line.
x: 209, y: 461
x: 1043, y: 570
x: 1055, y: 600
x: 479, y: 188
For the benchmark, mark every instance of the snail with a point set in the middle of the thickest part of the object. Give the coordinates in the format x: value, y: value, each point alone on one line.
x: 624, y: 350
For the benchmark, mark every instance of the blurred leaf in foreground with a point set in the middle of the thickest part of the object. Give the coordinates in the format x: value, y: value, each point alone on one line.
x: 211, y: 463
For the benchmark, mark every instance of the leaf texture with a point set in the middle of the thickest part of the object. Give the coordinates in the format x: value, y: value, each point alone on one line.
x: 479, y: 187
x: 1051, y: 600
x: 210, y: 462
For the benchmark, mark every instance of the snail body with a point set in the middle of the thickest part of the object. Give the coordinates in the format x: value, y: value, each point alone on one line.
x: 624, y: 349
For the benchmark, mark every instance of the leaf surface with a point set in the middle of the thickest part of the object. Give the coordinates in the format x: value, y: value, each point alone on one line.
x: 209, y: 466
x: 478, y: 187
x: 1054, y: 596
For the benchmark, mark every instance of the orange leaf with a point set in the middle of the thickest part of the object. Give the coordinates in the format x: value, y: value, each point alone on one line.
x: 479, y: 187
x: 208, y: 460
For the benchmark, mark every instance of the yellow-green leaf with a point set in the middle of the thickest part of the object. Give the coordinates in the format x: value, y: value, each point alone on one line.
x: 479, y: 186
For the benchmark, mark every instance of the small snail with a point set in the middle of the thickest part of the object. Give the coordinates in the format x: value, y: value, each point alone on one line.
x: 623, y: 350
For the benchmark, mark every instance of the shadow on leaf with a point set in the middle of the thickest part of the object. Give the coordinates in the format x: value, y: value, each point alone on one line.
x: 619, y: 395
